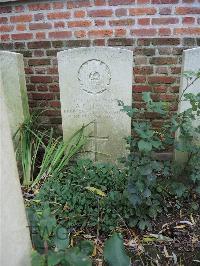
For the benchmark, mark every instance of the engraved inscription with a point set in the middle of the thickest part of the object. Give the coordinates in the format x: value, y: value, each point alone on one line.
x: 94, y: 76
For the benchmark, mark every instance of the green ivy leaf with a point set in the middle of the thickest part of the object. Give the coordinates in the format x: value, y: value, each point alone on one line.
x: 114, y: 251
x: 37, y: 259
x: 86, y: 247
x: 61, y: 240
x: 146, y: 97
x: 54, y: 258
x: 144, y: 146
x: 74, y: 257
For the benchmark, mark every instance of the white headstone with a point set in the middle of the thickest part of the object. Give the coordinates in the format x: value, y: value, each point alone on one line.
x: 191, y: 62
x: 91, y: 81
x: 15, y: 242
x: 14, y: 88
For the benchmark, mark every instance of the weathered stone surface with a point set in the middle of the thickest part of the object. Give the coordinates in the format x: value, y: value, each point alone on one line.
x: 191, y: 62
x: 14, y: 88
x: 91, y: 82
x: 15, y: 242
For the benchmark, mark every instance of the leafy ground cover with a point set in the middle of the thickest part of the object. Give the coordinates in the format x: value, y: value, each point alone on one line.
x: 145, y: 212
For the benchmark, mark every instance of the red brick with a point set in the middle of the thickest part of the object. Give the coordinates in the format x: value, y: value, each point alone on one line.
x: 120, y: 12
x: 160, y: 88
x: 99, y: 42
x: 52, y: 70
x: 145, y: 51
x: 158, y: 21
x: 140, y: 79
x: 79, y: 13
x: 19, y: 8
x: 144, y: 21
x: 41, y: 79
x: 168, y: 97
x: 60, y: 34
x: 5, y: 37
x: 22, y: 36
x: 120, y: 32
x: 31, y: 87
x: 54, y: 88
x: 40, y: 26
x: 139, y: 70
x: 120, y: 42
x: 3, y: 20
x: 81, y: 23
x: 187, y: 31
x: 39, y: 70
x: 80, y: 34
x: 39, y: 45
x: 165, y: 11
x: 120, y: 2
x: 174, y: 89
x: 99, y: 2
x: 100, y: 13
x: 175, y: 70
x: 39, y: 62
x: 161, y: 79
x: 6, y: 28
x: 52, y: 112
x: 55, y: 104
x: 100, y: 33
x: 40, y: 35
x: 28, y: 70
x: 76, y: 4
x: 58, y: 15
x: 41, y: 6
x: 163, y: 60
x: 164, y: 32
x: 38, y: 53
x: 187, y: 10
x: 59, y: 24
x: 143, y: 1
x: 177, y: 51
x: 99, y: 22
x: 165, y: 1
x: 21, y: 18
x: 5, y: 9
x: 21, y: 27
x: 161, y: 70
x: 142, y: 11
x: 58, y: 5
x: 19, y: 45
x: 141, y: 60
x: 143, y: 42
x: 42, y: 96
x: 42, y: 87
x: 38, y: 16
x: 166, y: 41
x: 144, y: 32
x: 188, y: 20
x: 141, y: 88
x: 122, y: 22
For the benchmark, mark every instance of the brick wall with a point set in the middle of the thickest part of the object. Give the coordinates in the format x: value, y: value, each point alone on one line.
x: 156, y: 30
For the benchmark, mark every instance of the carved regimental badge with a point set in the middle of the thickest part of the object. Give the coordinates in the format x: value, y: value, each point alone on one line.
x: 94, y: 76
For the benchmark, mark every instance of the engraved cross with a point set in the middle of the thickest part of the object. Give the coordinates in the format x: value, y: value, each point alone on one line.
x: 96, y: 139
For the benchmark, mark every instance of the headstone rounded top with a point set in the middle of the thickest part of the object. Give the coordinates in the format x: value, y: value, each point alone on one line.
x: 94, y: 49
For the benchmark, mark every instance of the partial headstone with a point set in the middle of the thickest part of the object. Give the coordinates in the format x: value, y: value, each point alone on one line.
x: 14, y: 88
x: 15, y: 244
x: 92, y: 80
x: 191, y: 62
